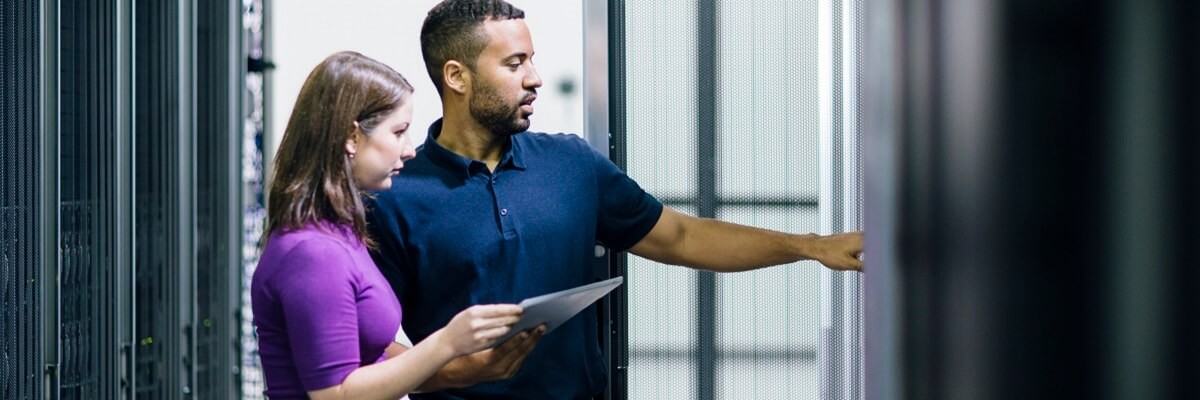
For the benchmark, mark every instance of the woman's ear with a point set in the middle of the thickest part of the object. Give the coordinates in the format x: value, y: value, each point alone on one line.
x: 352, y: 140
x: 457, y: 76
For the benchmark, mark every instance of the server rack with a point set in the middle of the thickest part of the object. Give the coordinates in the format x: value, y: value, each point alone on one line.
x: 110, y: 285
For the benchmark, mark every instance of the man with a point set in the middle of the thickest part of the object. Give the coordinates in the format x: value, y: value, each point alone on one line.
x: 490, y: 213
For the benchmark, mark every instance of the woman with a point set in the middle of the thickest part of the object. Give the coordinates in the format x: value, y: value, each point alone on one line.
x: 323, y: 312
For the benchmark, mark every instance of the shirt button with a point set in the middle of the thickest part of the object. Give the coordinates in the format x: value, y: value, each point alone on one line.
x: 503, y: 211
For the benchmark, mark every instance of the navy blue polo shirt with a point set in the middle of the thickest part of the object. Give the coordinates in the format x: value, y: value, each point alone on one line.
x: 452, y: 234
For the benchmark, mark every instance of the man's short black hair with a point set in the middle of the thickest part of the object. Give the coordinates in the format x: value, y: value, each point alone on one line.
x: 451, y: 32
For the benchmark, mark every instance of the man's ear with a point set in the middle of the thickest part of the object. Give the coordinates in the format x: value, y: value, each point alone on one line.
x: 352, y: 140
x: 458, y: 76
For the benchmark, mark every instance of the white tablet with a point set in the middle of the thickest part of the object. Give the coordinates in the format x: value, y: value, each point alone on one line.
x: 556, y: 308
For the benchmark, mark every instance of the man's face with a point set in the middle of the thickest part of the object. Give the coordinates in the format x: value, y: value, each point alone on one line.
x: 505, y: 82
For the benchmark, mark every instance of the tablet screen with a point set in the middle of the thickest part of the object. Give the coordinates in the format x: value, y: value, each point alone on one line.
x: 556, y: 308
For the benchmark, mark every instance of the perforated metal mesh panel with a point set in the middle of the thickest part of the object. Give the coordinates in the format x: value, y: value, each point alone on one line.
x: 220, y: 76
x: 88, y: 136
x: 724, y: 120
x: 841, y: 356
x: 218, y: 255
x: 660, y: 50
x: 20, y: 333
x: 156, y: 214
x: 768, y: 164
x: 90, y: 295
x: 768, y: 320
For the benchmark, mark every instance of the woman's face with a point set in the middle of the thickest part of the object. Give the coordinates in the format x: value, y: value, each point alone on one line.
x: 380, y: 154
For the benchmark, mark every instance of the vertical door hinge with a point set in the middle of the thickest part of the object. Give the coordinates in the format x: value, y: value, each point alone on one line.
x: 50, y: 380
x: 188, y: 363
x: 126, y: 369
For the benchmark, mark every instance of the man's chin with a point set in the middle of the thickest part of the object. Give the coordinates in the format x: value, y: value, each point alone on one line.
x: 519, y: 123
x: 520, y: 127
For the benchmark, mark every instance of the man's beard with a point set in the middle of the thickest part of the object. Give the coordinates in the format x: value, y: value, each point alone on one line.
x: 490, y: 110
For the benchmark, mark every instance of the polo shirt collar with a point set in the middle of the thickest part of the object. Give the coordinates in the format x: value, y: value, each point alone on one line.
x: 451, y: 160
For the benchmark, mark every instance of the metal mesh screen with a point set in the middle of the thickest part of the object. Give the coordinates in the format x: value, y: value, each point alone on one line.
x: 725, y: 120
x: 841, y: 358
x: 856, y: 206
x: 768, y: 163
x: 93, y: 143
x: 20, y: 333
x: 88, y: 136
x: 661, y: 42
x: 156, y: 214
x: 768, y: 320
x: 218, y: 268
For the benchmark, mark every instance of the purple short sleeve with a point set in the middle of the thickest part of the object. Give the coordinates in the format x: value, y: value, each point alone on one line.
x: 321, y: 310
x: 318, y: 301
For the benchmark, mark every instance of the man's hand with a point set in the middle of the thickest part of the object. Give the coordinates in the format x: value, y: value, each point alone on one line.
x: 503, y: 361
x: 499, y: 363
x: 838, y: 251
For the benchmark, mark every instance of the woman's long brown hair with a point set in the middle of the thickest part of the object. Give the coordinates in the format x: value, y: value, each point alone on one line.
x: 312, y: 180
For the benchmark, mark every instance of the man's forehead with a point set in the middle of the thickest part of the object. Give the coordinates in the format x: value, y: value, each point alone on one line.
x: 507, y: 35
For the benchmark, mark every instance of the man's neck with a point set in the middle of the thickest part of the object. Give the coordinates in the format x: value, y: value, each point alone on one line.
x: 465, y: 137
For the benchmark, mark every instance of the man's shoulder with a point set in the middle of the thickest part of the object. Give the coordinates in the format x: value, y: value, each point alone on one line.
x: 549, y: 139
x: 542, y: 143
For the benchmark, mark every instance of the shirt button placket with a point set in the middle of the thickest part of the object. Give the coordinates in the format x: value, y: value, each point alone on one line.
x: 503, y: 211
x: 506, y: 224
x: 493, y: 183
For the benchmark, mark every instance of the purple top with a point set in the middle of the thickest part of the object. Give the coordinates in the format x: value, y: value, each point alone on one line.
x: 321, y: 309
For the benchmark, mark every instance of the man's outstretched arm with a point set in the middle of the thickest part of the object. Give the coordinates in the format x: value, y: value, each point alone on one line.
x: 719, y: 246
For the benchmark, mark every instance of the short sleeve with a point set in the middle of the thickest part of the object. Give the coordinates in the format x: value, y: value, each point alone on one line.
x: 626, y: 213
x: 317, y: 294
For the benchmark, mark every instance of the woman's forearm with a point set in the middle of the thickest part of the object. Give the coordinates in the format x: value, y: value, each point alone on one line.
x: 394, y: 377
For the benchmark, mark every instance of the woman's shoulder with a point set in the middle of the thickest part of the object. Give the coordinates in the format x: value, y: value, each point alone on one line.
x: 307, y: 260
x: 312, y: 243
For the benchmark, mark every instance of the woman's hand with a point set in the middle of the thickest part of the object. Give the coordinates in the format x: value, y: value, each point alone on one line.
x: 478, y: 327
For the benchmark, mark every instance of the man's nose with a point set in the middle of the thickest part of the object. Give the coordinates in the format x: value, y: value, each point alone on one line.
x: 533, y: 80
